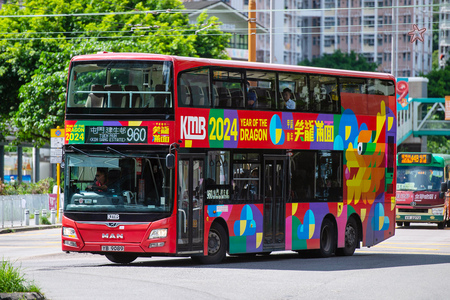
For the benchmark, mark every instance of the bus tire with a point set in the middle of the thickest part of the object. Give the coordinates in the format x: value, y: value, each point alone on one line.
x: 327, y: 238
x: 351, y: 239
x: 217, y: 246
x: 441, y: 225
x: 121, y: 258
x: 399, y: 224
x: 406, y: 224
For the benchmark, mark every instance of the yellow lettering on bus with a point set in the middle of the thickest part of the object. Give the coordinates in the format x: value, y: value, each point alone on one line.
x: 223, y: 129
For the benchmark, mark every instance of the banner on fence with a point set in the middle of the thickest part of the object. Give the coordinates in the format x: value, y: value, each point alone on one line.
x: 52, y: 199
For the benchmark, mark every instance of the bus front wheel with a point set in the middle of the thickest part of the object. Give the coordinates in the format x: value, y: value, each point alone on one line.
x: 351, y: 239
x: 327, y: 238
x: 217, y: 246
x: 121, y: 258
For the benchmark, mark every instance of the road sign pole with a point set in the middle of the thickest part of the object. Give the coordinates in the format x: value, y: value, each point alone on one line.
x: 58, y: 182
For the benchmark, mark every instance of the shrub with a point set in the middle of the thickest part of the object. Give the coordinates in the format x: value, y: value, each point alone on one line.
x: 11, y: 280
x: 44, y: 220
x: 42, y: 187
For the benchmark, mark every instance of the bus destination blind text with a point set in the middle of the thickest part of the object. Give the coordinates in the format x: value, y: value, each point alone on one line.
x: 116, y: 134
x: 414, y: 158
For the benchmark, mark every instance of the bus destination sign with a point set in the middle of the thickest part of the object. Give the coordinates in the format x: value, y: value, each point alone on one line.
x: 116, y: 134
x: 414, y: 158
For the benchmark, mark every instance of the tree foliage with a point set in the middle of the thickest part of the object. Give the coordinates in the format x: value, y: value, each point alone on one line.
x: 340, y: 60
x: 439, y: 82
x: 36, y: 47
x: 438, y: 144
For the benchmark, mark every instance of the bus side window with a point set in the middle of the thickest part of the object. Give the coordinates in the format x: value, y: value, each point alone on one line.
x: 198, y: 97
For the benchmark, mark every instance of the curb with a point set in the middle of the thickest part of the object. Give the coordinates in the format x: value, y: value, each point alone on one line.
x: 28, y: 228
x: 21, y: 296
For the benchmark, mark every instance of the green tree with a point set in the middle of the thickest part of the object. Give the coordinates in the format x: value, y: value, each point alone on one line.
x: 340, y: 60
x: 35, y: 51
x: 438, y: 144
x: 439, y: 82
x: 438, y: 87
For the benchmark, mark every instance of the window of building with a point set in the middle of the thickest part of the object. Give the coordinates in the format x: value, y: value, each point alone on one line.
x: 369, y: 40
x: 328, y: 41
x: 369, y: 21
x: 329, y: 22
x: 329, y: 3
x: 380, y: 21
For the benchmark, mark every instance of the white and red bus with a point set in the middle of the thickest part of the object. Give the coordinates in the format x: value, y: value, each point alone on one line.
x: 206, y: 157
x: 422, y: 180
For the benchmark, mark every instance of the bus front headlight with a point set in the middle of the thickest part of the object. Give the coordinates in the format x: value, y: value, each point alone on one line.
x: 158, y: 233
x: 69, y: 232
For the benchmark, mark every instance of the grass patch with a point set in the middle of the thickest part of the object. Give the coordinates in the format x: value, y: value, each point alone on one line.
x: 45, y: 221
x: 12, y: 281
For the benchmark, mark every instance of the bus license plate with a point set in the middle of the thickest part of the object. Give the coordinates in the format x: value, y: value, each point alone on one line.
x: 113, y: 248
x: 412, y: 217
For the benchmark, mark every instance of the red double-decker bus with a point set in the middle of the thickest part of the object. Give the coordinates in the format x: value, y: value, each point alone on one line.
x: 180, y: 156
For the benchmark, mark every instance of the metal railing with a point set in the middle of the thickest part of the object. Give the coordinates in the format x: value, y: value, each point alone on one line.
x: 13, y: 208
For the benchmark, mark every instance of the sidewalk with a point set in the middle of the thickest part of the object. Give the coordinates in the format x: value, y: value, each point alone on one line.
x: 28, y: 228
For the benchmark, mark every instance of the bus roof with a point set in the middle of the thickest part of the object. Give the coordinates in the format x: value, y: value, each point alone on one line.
x: 229, y: 63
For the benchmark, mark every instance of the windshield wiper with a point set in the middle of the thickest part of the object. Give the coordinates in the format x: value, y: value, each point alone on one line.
x: 81, y: 151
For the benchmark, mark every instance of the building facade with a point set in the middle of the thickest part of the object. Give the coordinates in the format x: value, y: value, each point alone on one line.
x: 444, y: 32
x: 378, y: 29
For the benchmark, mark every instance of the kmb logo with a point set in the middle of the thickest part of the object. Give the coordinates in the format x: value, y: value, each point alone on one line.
x: 193, y: 128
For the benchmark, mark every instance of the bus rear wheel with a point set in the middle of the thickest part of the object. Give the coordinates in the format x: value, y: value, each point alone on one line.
x: 351, y: 239
x: 217, y: 246
x: 121, y: 258
x: 327, y: 239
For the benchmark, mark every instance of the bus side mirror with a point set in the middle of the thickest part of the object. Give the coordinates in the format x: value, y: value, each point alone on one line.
x: 170, y: 161
x: 444, y: 187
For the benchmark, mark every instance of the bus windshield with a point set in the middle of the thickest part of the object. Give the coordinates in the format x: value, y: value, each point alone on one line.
x: 112, y: 182
x: 109, y: 84
x: 419, y: 178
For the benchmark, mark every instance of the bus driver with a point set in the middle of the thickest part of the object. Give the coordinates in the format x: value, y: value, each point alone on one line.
x: 100, y: 181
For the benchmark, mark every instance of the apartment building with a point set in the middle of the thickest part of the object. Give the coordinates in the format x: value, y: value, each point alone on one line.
x: 444, y: 32
x: 233, y: 22
x: 381, y: 30
x: 306, y: 29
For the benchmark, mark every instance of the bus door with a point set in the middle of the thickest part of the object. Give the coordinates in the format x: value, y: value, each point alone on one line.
x: 190, y: 204
x: 274, y: 187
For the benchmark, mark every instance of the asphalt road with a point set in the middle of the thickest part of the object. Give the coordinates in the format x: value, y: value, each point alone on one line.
x: 413, y: 264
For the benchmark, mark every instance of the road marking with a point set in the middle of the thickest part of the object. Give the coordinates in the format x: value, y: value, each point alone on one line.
x: 28, y: 247
x: 402, y: 253
x: 409, y: 248
x: 433, y: 244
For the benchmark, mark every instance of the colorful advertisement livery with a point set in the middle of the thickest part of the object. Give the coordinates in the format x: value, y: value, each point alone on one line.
x: 119, y: 132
